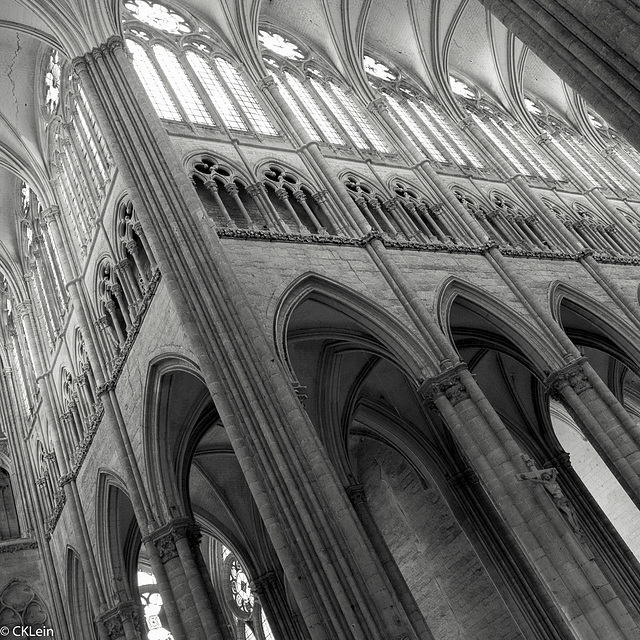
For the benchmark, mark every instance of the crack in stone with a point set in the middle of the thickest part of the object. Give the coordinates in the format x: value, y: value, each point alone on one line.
x: 10, y: 73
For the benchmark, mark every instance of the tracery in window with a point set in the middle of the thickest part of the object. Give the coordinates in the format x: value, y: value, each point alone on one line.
x: 154, y: 616
x: 279, y: 45
x: 420, y: 118
x: 21, y: 606
x: 576, y: 150
x: 242, y: 607
x: 506, y: 134
x: 188, y: 81
x: 52, y: 83
x: 157, y: 15
x: 323, y: 107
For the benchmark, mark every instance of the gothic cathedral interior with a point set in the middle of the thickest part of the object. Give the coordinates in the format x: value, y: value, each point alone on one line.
x: 319, y: 319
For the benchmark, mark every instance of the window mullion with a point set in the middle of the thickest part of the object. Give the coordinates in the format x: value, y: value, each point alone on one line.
x: 308, y: 111
x: 434, y: 133
x: 88, y: 167
x: 317, y: 133
x: 510, y: 142
x: 342, y: 130
x: 91, y: 144
x: 168, y: 87
x: 230, y: 94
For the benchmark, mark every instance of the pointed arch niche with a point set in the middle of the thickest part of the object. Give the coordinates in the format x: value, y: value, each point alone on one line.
x: 355, y: 368
x: 198, y: 483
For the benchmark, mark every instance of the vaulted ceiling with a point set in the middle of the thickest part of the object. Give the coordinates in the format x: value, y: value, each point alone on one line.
x: 427, y: 38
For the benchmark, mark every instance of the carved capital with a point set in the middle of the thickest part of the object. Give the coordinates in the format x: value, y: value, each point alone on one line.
x: 166, y: 547
x: 320, y: 197
x: 447, y: 384
x: 267, y: 83
x: 265, y: 582
x: 573, y: 375
x: 378, y: 105
x: 50, y: 214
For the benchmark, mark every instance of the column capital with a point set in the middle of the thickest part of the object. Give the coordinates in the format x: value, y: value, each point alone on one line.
x: 447, y: 384
x: 51, y: 213
x: 115, y: 619
x: 356, y: 494
x: 263, y: 583
x: 23, y: 308
x: 572, y: 375
x: 166, y: 537
x: 80, y: 63
x: 268, y: 83
x: 378, y: 105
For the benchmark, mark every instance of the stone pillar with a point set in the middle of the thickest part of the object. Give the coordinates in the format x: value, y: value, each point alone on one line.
x: 123, y: 622
x: 526, y: 596
x: 612, y: 430
x: 273, y: 599
x: 197, y: 623
x: 342, y: 591
x: 537, y: 517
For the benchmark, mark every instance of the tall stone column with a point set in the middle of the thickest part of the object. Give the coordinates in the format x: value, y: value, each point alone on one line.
x: 537, y: 516
x: 340, y: 587
x: 615, y: 433
x: 178, y: 548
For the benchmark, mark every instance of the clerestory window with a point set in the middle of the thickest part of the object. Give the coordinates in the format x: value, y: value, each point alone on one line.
x: 323, y: 106
x: 185, y: 76
x: 420, y: 118
x: 505, y: 133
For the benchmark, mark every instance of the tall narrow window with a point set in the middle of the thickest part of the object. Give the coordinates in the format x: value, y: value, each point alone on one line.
x: 518, y: 148
x: 324, y: 108
x: 187, y: 80
x: 155, y: 87
x: 576, y: 151
x: 419, y: 117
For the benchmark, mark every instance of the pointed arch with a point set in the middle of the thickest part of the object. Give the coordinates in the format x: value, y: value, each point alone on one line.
x: 613, y: 336
x: 526, y: 342
x: 80, y: 607
x: 404, y: 348
x: 167, y: 452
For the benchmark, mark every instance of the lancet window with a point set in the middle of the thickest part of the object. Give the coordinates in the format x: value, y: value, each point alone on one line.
x: 324, y: 107
x: 42, y: 266
x: 505, y: 133
x: 421, y: 118
x: 186, y: 73
x: 22, y: 360
x: 80, y: 160
x: 576, y: 150
x: 616, y: 148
